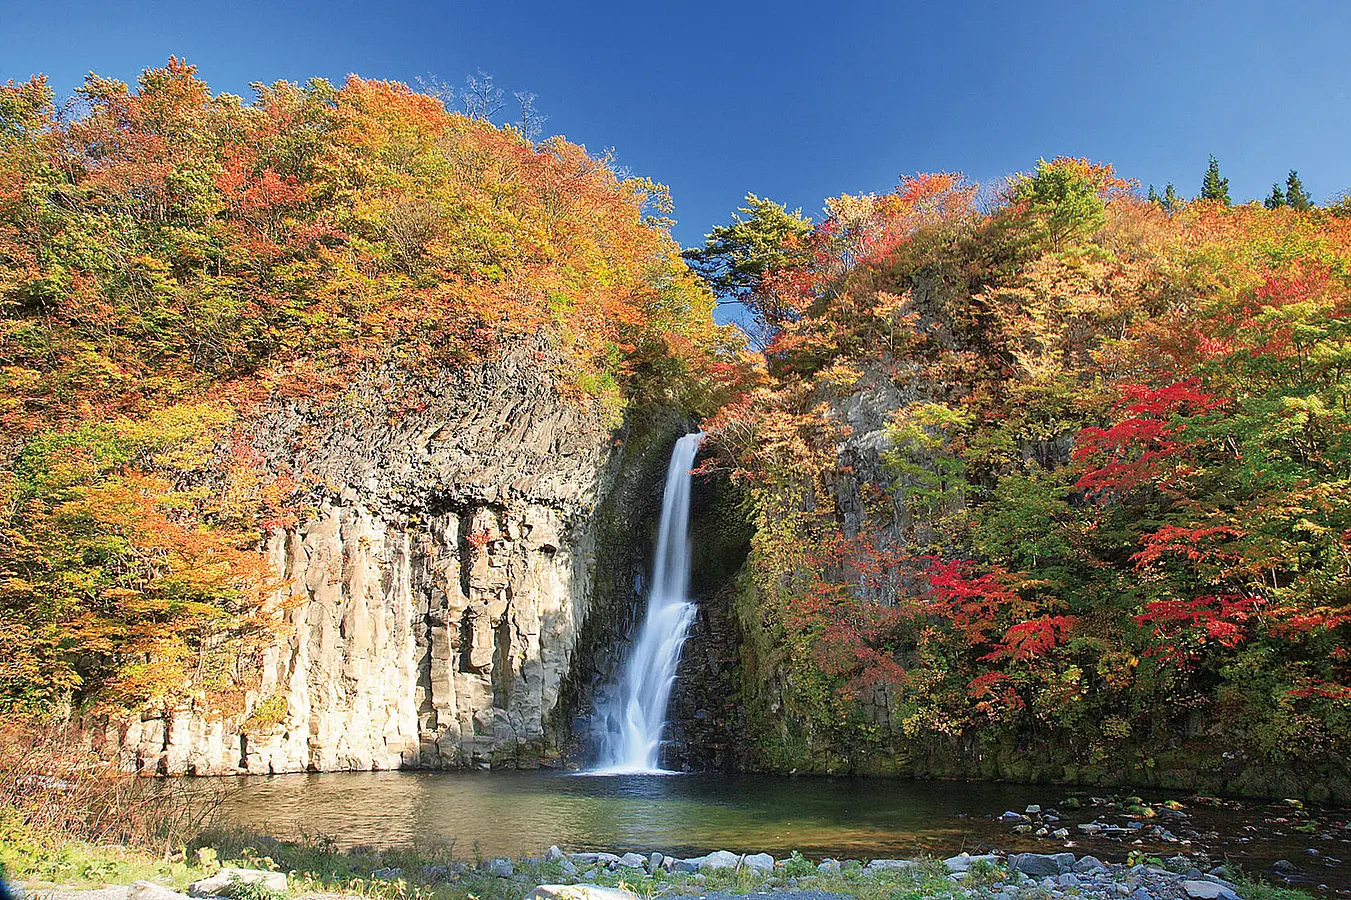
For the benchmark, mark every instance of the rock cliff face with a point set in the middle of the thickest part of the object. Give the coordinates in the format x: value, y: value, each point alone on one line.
x: 707, y: 730
x: 707, y: 715
x: 434, y: 597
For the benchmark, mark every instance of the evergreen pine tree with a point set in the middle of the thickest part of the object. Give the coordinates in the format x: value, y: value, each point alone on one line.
x: 1170, y: 197
x: 1295, y: 195
x: 1277, y: 198
x: 1213, y: 187
x: 1154, y: 196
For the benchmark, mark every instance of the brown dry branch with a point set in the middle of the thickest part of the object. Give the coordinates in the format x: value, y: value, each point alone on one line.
x: 56, y: 784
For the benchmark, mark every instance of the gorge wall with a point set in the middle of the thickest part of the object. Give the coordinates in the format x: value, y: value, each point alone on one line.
x: 773, y: 726
x: 438, y: 592
x: 708, y: 728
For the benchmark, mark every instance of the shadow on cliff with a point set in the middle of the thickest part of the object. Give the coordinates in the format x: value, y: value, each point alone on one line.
x: 707, y: 720
x: 626, y: 531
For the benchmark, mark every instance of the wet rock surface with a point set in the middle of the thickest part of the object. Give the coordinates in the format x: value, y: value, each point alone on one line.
x: 1282, y: 841
x: 706, y: 720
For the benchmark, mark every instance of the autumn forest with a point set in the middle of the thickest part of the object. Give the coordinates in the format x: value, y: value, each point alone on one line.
x: 1043, y: 480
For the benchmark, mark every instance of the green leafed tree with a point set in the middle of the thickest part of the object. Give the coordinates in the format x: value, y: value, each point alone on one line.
x: 1167, y: 200
x: 1063, y: 199
x: 763, y: 236
x: 1277, y: 198
x: 1295, y: 195
x: 1213, y: 187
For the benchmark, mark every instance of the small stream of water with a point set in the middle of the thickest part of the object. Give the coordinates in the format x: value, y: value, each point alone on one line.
x: 635, y: 714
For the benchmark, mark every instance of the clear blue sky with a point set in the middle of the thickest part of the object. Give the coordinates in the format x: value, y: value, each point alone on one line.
x: 798, y: 100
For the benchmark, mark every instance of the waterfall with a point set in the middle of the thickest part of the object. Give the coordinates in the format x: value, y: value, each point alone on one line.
x: 635, y: 713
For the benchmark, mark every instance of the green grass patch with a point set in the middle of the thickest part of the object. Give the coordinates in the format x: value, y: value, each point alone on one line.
x: 1250, y: 888
x: 315, y: 864
x: 33, y: 856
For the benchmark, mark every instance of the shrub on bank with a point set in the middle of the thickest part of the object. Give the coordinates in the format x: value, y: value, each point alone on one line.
x: 315, y: 865
x: 52, y: 783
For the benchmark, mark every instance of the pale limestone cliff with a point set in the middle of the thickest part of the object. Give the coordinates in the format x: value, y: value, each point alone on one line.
x: 434, y: 598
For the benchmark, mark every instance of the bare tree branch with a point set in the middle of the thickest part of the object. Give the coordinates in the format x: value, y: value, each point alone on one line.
x: 481, y: 99
x: 531, y: 122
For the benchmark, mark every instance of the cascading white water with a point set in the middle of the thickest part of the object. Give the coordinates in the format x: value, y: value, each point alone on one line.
x: 635, y: 713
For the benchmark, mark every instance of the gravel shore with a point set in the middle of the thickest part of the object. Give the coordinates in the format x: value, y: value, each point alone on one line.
x: 723, y: 874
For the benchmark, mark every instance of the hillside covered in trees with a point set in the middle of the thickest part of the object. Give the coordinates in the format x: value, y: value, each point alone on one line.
x: 1053, y: 485
x: 1057, y: 486
x: 172, y: 262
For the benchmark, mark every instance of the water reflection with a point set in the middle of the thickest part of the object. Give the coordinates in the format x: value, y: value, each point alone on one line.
x: 525, y: 812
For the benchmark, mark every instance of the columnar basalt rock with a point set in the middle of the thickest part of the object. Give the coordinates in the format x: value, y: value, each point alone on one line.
x: 432, y: 601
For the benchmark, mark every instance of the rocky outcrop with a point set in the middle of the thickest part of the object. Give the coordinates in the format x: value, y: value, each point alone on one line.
x: 707, y: 720
x: 435, y: 593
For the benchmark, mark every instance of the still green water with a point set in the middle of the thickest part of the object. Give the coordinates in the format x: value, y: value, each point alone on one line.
x: 523, y: 813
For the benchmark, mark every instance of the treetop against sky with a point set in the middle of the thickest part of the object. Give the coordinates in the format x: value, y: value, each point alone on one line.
x: 796, y: 101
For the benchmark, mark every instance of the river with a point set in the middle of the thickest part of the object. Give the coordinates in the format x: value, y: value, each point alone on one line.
x: 523, y: 813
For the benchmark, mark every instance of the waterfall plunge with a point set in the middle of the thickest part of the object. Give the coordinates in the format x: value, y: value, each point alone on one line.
x: 635, y: 713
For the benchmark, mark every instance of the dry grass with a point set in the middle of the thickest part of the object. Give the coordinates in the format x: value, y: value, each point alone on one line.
x: 52, y: 783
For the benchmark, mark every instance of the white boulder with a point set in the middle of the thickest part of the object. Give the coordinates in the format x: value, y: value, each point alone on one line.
x: 148, y: 890
x: 220, y: 884
x: 964, y: 861
x: 579, y: 892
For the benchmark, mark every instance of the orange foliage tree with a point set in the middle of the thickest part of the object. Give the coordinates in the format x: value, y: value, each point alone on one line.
x: 1071, y: 468
x: 170, y: 258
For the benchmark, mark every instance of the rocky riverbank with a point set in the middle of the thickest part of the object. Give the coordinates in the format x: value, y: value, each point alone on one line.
x: 1283, y: 840
x: 598, y: 875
